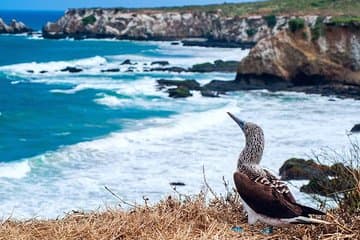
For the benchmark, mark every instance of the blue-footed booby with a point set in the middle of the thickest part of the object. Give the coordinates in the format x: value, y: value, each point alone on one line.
x: 265, y: 198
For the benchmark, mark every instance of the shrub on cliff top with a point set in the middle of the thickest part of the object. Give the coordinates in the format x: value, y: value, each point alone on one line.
x: 344, y: 187
x: 270, y: 20
x: 91, y: 19
x: 345, y: 21
x: 296, y: 24
x: 251, y: 32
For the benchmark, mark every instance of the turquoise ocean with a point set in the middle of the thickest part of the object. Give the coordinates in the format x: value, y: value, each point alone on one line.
x: 64, y: 136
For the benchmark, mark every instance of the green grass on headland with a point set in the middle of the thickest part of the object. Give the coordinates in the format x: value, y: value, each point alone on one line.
x: 281, y: 7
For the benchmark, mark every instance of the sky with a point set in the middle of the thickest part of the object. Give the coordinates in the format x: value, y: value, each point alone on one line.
x: 65, y: 4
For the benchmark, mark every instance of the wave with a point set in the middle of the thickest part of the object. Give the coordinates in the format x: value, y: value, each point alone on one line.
x: 112, y: 101
x: 15, y: 170
x: 179, y: 56
x: 54, y: 66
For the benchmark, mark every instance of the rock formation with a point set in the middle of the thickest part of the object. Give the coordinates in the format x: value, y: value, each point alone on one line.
x: 305, y: 58
x: 309, y: 53
x: 162, y: 25
x: 14, y: 27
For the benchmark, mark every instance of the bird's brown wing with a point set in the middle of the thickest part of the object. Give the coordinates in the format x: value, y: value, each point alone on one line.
x: 265, y: 198
x: 280, y: 186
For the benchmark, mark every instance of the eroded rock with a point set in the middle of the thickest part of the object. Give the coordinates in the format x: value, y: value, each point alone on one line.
x: 301, y: 169
x: 355, y: 128
x: 179, y: 92
x: 217, y: 66
x: 71, y: 69
x: 14, y: 27
x: 161, y: 63
x: 189, y: 84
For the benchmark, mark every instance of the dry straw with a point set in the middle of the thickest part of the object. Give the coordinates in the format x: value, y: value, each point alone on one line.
x: 175, y: 217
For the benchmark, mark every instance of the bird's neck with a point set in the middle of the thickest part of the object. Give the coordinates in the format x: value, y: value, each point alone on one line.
x: 252, y: 153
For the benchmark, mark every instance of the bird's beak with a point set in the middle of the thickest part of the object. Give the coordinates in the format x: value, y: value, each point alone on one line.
x: 238, y: 121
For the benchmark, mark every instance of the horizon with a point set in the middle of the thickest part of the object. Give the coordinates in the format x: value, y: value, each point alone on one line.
x: 42, y: 5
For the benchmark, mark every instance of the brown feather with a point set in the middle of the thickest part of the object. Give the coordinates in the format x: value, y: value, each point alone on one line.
x: 264, y: 199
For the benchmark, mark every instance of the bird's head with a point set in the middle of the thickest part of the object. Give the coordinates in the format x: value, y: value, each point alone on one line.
x: 254, y: 140
x: 247, y: 127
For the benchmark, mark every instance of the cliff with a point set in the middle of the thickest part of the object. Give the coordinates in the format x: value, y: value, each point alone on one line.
x: 326, y: 53
x: 162, y: 25
x: 310, y: 53
x: 14, y: 27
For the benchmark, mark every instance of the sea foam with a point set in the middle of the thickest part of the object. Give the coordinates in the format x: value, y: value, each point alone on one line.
x: 15, y: 170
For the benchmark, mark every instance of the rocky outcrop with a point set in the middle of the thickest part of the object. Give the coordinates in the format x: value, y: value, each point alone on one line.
x: 301, y: 169
x: 179, y: 92
x: 323, y: 61
x: 71, y: 69
x: 164, y: 25
x: 323, y: 180
x: 14, y: 27
x: 217, y: 66
x: 183, y: 88
x: 189, y: 84
x: 355, y: 128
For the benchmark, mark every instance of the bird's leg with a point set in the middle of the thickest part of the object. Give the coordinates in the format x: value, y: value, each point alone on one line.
x: 267, y: 230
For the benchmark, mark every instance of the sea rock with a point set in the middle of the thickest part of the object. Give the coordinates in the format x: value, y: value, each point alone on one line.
x: 355, y: 128
x: 217, y: 66
x: 179, y: 92
x: 43, y: 71
x: 222, y: 44
x: 162, y: 63
x: 14, y: 27
x: 223, y: 86
x: 71, y: 69
x: 300, y: 169
x: 189, y: 84
x: 177, y: 184
x: 168, y: 69
x: 30, y: 71
x: 111, y: 70
x: 324, y: 180
x: 126, y: 62
x: 208, y: 93
x: 341, y: 180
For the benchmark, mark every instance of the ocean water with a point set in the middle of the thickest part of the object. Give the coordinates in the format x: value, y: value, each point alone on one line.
x: 64, y: 136
x: 34, y: 19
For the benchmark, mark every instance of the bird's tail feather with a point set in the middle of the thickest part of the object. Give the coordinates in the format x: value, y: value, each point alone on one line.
x: 309, y: 210
x: 307, y: 220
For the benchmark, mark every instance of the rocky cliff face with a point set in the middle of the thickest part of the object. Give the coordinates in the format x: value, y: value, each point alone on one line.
x: 161, y: 25
x: 14, y: 27
x: 303, y: 58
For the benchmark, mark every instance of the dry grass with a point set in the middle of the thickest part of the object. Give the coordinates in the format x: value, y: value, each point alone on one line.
x: 173, y: 218
x: 280, y: 7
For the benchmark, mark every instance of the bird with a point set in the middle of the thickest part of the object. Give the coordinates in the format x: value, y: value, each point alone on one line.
x: 264, y: 197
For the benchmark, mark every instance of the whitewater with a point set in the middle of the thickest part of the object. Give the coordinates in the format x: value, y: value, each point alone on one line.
x: 67, y: 135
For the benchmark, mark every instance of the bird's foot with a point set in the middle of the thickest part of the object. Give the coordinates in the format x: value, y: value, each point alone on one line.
x: 237, y: 229
x: 268, y: 230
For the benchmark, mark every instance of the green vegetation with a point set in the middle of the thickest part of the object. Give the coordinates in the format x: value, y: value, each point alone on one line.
x: 279, y: 7
x: 251, y: 32
x: 318, y: 29
x: 270, y: 20
x: 345, y: 20
x: 296, y: 24
x: 344, y: 187
x: 91, y: 19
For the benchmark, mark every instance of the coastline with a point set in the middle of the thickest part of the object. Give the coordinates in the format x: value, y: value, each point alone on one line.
x: 77, y: 74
